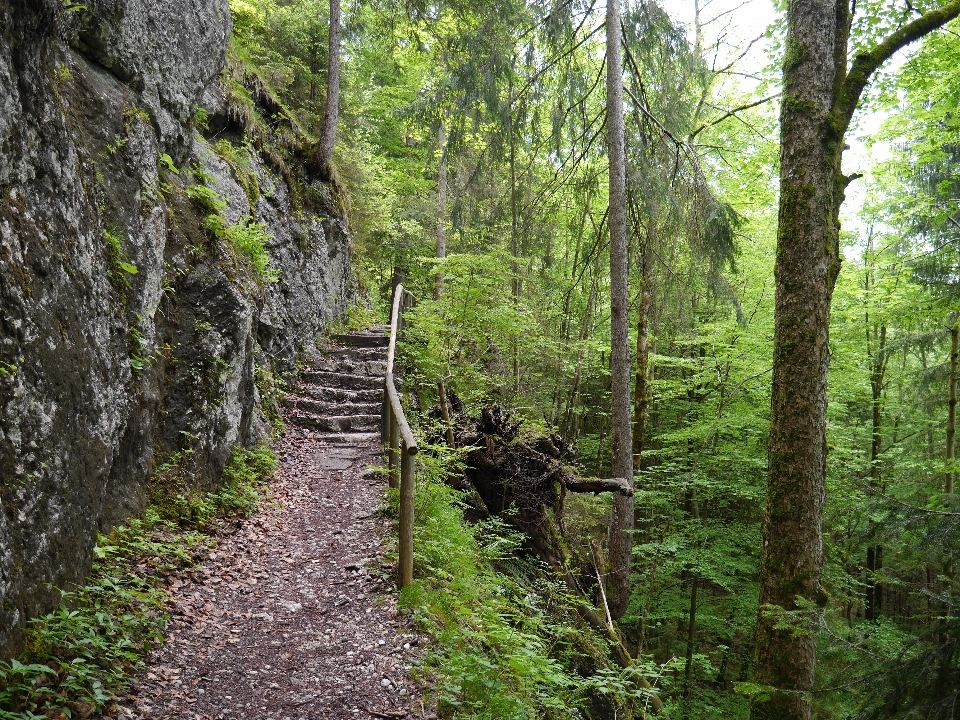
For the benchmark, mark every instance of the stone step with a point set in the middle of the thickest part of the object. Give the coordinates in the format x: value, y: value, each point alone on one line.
x: 325, y: 407
x: 342, y: 380
x: 351, y: 366
x: 351, y: 438
x: 361, y: 354
x: 366, y: 340
x: 335, y: 394
x: 336, y: 423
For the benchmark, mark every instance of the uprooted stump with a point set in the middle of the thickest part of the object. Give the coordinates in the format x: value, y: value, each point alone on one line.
x: 523, y: 480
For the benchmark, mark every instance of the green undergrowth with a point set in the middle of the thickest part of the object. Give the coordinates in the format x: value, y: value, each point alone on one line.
x: 507, y: 642
x: 171, y: 496
x: 357, y: 317
x: 79, y: 658
x: 246, y: 240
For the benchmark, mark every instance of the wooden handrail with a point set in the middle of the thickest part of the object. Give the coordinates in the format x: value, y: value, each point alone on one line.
x: 396, y: 429
x: 409, y: 442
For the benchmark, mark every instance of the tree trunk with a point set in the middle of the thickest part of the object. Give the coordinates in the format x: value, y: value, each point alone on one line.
x: 819, y: 100
x: 328, y: 133
x: 691, y: 619
x: 621, y: 520
x: 569, y: 429
x: 952, y: 406
x: 441, y: 208
x: 516, y: 284
x: 878, y: 342
x: 806, y: 269
x: 641, y: 393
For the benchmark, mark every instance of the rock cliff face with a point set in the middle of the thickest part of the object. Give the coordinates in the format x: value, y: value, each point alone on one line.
x: 134, y: 320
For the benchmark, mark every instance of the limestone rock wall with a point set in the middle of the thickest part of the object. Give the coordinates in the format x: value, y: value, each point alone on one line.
x: 105, y: 373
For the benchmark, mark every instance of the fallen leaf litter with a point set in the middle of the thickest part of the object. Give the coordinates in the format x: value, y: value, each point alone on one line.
x: 293, y: 616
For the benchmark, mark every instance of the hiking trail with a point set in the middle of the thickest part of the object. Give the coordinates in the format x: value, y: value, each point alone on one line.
x: 293, y: 615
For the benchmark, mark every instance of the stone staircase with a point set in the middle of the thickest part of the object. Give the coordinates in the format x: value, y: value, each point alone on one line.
x: 340, y: 394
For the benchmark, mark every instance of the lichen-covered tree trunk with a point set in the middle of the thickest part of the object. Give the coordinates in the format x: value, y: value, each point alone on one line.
x: 621, y: 520
x: 806, y: 270
x: 819, y: 99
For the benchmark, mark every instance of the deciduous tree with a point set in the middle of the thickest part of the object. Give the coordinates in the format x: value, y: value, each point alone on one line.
x: 821, y: 92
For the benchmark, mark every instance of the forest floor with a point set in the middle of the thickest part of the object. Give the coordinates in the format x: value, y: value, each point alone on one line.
x: 293, y: 616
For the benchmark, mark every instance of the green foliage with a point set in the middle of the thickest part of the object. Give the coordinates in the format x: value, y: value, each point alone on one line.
x: 358, y: 317
x: 507, y: 638
x: 176, y: 500
x: 78, y: 658
x: 470, y: 333
x: 510, y: 97
x: 166, y: 162
x: 247, y: 239
x: 119, y: 267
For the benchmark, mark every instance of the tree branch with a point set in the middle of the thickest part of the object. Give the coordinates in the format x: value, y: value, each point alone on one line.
x: 866, y: 63
x: 731, y: 113
x: 597, y: 485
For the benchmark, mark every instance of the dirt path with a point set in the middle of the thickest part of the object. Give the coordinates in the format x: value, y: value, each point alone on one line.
x: 294, y: 615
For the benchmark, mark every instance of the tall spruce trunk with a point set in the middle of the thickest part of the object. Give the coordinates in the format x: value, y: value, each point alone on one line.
x: 952, y: 406
x: 819, y: 99
x: 641, y: 393
x: 328, y: 133
x: 441, y: 208
x: 620, y: 539
x: 516, y: 284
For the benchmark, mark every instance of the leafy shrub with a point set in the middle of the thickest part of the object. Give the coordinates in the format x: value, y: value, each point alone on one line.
x: 78, y: 657
x: 247, y: 239
x: 175, y: 501
x: 506, y: 634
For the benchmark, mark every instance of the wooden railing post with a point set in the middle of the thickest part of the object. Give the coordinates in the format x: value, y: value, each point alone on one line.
x: 407, y: 483
x: 394, y: 451
x: 402, y: 453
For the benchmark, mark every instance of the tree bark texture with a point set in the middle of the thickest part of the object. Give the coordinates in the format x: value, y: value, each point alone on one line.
x: 952, y: 406
x: 328, y: 133
x: 806, y: 270
x: 621, y: 520
x: 641, y: 393
x: 441, y: 208
x: 819, y: 98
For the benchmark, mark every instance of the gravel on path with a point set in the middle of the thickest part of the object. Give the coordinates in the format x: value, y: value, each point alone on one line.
x: 293, y: 615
